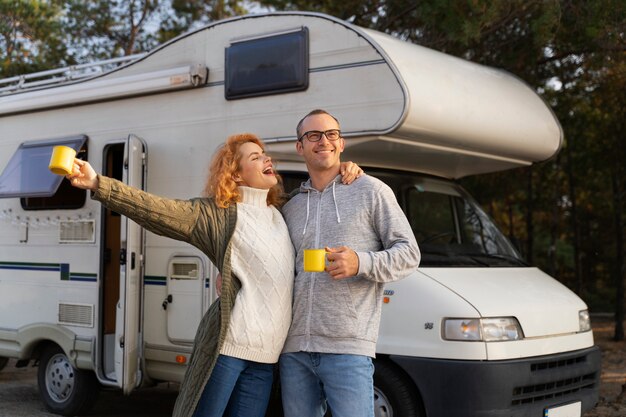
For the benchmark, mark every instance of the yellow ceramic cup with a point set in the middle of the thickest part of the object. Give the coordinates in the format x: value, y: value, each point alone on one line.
x: 62, y: 160
x: 314, y: 260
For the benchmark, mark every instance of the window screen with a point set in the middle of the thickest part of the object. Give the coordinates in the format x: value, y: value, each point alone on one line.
x: 268, y: 65
x: 27, y: 174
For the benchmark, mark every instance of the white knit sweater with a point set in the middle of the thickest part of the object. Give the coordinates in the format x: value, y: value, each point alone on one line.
x: 263, y: 259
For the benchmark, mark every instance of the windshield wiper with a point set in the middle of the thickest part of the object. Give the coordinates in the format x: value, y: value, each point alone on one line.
x: 450, y: 259
x: 508, y: 258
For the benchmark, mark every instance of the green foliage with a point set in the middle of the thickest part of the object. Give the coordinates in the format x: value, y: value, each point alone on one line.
x: 30, y: 36
x: 188, y: 14
x: 103, y: 29
x: 37, y: 35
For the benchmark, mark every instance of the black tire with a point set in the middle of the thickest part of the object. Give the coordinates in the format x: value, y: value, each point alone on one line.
x: 65, y: 390
x: 3, y: 362
x: 395, y: 394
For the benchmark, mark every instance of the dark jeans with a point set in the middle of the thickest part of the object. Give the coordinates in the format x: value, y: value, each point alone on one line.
x: 236, y: 388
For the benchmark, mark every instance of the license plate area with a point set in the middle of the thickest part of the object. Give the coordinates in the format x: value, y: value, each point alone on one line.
x: 568, y: 410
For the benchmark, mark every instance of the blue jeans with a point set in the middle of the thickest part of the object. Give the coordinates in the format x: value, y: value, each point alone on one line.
x: 236, y: 388
x: 311, y: 381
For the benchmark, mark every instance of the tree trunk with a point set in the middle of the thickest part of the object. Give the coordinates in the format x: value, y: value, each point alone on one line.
x: 554, y: 226
x: 619, y: 252
x: 578, y: 280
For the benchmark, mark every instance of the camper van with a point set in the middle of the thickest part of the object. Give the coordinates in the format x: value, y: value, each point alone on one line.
x: 94, y: 300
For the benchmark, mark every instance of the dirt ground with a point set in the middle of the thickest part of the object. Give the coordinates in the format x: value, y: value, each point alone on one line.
x: 613, y: 383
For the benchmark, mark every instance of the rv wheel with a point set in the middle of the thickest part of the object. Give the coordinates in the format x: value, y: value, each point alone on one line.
x: 395, y: 394
x: 3, y: 362
x: 64, y: 389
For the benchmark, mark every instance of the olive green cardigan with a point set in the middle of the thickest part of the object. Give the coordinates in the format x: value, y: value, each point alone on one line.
x: 209, y: 228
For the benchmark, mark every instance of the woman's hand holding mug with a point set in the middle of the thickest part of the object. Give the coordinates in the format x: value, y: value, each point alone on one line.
x: 83, y: 176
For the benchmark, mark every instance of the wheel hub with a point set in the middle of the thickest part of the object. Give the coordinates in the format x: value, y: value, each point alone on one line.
x: 59, y: 378
x: 382, y: 406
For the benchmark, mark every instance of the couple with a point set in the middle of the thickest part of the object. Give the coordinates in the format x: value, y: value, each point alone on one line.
x: 325, y: 347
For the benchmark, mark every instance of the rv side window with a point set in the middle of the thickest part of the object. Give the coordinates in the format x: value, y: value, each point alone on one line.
x: 27, y: 176
x: 292, y: 180
x: 268, y: 65
x: 432, y: 216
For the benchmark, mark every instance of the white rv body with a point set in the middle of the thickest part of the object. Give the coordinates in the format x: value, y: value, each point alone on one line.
x: 156, y: 122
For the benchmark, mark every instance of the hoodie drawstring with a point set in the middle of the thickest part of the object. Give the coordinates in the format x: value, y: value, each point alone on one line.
x: 308, y: 200
x: 336, y: 206
x: 308, y: 195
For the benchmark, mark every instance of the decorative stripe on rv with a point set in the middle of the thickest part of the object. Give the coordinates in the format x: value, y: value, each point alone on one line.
x: 63, y: 269
x: 157, y: 280
x: 350, y: 65
x: 153, y: 280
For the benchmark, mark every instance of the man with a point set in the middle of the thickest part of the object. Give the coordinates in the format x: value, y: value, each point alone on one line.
x: 327, y: 358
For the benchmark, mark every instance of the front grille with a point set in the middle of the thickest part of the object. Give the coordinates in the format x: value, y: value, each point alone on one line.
x: 559, y: 387
x: 540, y: 366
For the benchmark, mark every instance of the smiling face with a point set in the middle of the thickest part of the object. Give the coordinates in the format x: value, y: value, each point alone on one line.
x: 255, y: 168
x: 323, y: 155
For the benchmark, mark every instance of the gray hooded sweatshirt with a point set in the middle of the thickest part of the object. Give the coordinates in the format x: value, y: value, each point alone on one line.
x: 342, y: 316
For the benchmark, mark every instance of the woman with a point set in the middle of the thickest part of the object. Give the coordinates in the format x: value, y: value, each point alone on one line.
x: 241, y: 231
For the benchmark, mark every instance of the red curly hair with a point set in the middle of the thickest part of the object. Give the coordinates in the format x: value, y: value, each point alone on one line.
x: 220, y: 184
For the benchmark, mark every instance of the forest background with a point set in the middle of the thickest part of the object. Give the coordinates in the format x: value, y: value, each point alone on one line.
x: 566, y: 214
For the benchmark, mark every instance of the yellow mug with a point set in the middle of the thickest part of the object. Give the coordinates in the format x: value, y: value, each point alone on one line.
x: 314, y: 260
x: 62, y: 160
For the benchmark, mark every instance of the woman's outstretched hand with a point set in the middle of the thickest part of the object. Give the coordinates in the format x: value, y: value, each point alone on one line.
x: 83, y: 176
x: 350, y: 172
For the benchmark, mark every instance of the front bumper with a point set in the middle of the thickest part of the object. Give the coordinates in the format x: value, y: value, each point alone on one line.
x: 511, y: 388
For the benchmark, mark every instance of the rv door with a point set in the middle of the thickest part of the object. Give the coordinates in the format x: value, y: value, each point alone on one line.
x: 128, y: 330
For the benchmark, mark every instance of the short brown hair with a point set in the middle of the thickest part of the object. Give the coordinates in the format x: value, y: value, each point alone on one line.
x: 312, y: 113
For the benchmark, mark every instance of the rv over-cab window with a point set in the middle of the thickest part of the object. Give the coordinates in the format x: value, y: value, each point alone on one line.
x: 267, y: 65
x: 27, y: 176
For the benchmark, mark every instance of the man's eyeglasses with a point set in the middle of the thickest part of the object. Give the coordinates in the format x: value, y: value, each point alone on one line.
x: 316, y: 135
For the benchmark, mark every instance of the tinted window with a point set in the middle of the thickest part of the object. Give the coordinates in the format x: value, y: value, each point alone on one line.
x: 27, y: 174
x: 66, y: 197
x: 431, y: 216
x: 268, y: 65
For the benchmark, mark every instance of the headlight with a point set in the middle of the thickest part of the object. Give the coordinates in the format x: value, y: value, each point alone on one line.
x: 495, y: 329
x: 584, y: 322
x: 462, y: 329
x: 501, y: 329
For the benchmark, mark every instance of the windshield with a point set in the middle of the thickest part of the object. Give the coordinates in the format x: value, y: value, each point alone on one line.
x: 449, y: 226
